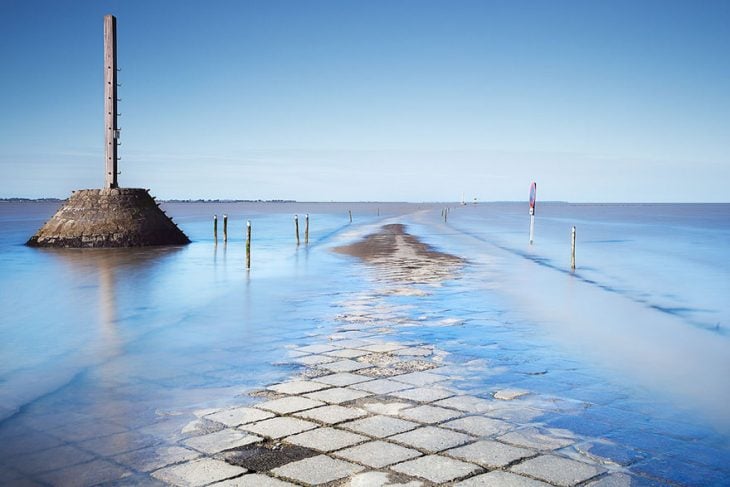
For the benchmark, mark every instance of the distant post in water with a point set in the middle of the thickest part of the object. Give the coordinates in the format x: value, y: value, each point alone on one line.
x: 225, y: 228
x: 572, y: 249
x: 306, y: 229
x: 111, y: 131
x: 215, y: 228
x: 296, y: 227
x: 349, y: 212
x: 248, y: 244
x: 533, y: 197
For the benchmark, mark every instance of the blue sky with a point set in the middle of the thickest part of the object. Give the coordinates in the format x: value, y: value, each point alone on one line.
x: 372, y: 100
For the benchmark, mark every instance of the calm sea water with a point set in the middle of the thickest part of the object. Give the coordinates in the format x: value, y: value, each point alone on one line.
x: 108, y: 341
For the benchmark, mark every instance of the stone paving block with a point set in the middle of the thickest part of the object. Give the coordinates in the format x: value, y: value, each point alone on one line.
x: 429, y: 414
x: 380, y: 426
x: 149, y: 459
x: 479, y: 425
x: 381, y: 386
x: 317, y: 470
x: 221, y: 440
x: 510, y: 394
x: 238, y: 416
x: 383, y: 347
x: 420, y: 378
x: 337, y: 395
x: 347, y: 353
x: 436, y: 468
x: 297, y: 387
x: 314, y: 359
x: 498, y: 478
x: 253, y: 480
x: 316, y: 348
x: 614, y: 480
x: 344, y: 365
x: 198, y: 472
x: 354, y: 343
x: 87, y: 474
x: 342, y: 379
x: 423, y: 394
x: 287, y: 405
x: 325, y: 439
x: 492, y: 454
x: 120, y: 443
x: 388, y: 408
x: 514, y: 412
x: 470, y: 404
x: 377, y: 454
x: 432, y: 439
x: 534, y: 438
x: 558, y: 470
x: 279, y: 427
x: 382, y: 479
x: 332, y: 414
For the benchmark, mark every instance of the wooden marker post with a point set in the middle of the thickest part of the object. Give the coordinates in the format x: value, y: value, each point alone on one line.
x: 248, y: 244
x: 306, y: 229
x: 111, y: 131
x: 296, y: 227
x: 572, y: 249
x: 215, y: 228
x: 350, y: 213
x: 225, y: 228
x: 533, y: 198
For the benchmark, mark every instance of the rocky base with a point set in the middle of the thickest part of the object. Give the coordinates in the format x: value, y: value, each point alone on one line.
x: 98, y: 218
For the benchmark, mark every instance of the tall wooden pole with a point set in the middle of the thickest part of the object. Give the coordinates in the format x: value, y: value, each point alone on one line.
x: 111, y: 132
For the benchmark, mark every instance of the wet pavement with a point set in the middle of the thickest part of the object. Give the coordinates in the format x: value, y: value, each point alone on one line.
x: 410, y: 378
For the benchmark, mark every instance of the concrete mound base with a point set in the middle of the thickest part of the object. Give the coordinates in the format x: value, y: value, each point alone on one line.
x: 123, y: 217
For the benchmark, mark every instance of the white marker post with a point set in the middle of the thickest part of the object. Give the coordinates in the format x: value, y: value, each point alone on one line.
x: 533, y: 196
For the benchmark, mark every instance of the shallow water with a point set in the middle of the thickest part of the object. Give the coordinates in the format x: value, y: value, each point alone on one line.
x: 95, y: 344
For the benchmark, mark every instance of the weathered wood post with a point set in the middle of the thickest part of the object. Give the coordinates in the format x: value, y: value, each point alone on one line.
x: 306, y: 229
x: 349, y: 212
x: 572, y: 249
x: 111, y: 131
x: 215, y: 228
x: 225, y: 228
x: 296, y: 227
x: 248, y: 244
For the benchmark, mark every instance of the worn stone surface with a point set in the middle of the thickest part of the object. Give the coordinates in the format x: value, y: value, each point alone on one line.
x: 198, y: 472
x: 288, y: 405
x: 432, y: 439
x: 263, y: 457
x: 381, y: 386
x: 344, y: 365
x: 492, y: 454
x: 436, y: 468
x: 510, y: 394
x: 380, y: 426
x: 498, y: 478
x: 279, y: 427
x: 337, y: 395
x: 382, y: 479
x: 534, y: 438
x: 421, y: 378
x: 342, y: 379
x: 478, y: 425
x: 297, y: 387
x: 377, y: 454
x: 317, y: 470
x: 423, y: 394
x: 558, y: 470
x: 238, y: 416
x: 429, y: 414
x: 221, y: 440
x: 325, y: 439
x: 469, y: 404
x: 331, y: 414
x: 253, y: 480
x: 122, y: 217
x: 388, y: 408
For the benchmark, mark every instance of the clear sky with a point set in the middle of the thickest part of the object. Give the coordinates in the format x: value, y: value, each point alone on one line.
x: 372, y: 99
